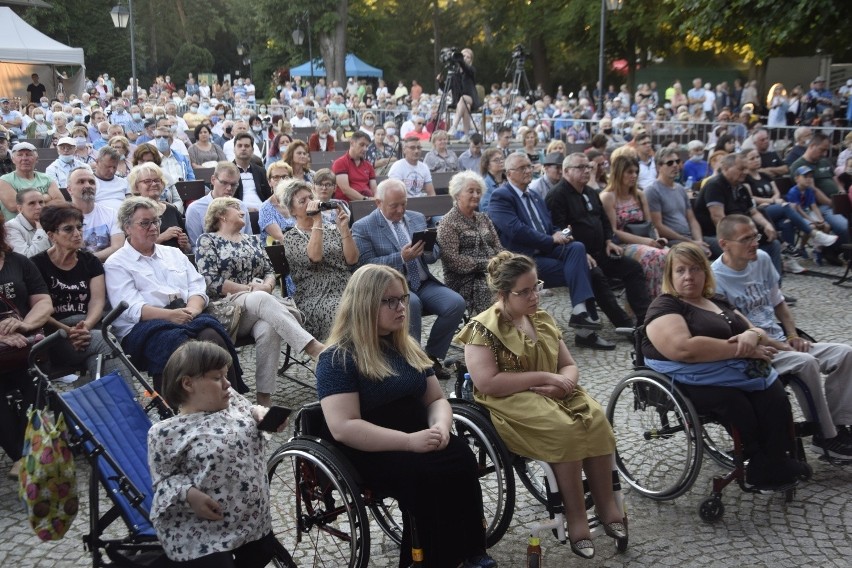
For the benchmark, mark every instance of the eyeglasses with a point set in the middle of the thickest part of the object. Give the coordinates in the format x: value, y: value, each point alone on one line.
x: 527, y: 292
x: 151, y: 181
x: 273, y: 177
x: 749, y: 239
x: 148, y: 223
x: 230, y: 184
x: 70, y: 229
x: 161, y: 137
x: 499, y: 160
x: 586, y: 167
x: 393, y: 302
x: 521, y: 169
x: 327, y: 185
x: 671, y: 163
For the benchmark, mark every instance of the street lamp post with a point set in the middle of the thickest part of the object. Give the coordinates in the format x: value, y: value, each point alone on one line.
x: 121, y: 18
x: 606, y: 5
x: 243, y: 52
x: 299, y: 39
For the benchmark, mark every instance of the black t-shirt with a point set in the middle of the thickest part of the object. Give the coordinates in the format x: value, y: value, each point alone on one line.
x: 760, y: 187
x: 36, y: 92
x: 584, y: 212
x: 19, y: 279
x: 721, y: 324
x: 171, y: 217
x: 69, y: 289
x: 718, y: 190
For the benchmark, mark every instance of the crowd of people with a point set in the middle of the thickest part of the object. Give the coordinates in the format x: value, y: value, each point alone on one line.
x: 531, y: 210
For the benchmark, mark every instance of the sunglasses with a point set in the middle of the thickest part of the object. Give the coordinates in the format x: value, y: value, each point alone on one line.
x: 671, y: 163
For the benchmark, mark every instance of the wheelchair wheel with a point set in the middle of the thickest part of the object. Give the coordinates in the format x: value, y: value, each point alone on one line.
x: 317, y: 511
x: 711, y: 509
x: 495, y: 471
x: 389, y: 517
x: 718, y: 444
x: 532, y: 476
x: 657, y: 431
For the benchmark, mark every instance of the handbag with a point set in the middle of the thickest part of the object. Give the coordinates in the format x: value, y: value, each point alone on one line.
x: 643, y: 229
x: 228, y: 312
x: 291, y: 306
x: 48, y: 477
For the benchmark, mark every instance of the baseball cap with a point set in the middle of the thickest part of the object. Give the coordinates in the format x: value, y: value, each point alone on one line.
x: 819, y: 79
x: 553, y: 159
x: 23, y: 146
x: 4, y: 100
x: 804, y: 170
x: 66, y: 140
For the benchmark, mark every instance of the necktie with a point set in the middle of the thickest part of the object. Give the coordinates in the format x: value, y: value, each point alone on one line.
x: 533, y: 217
x: 411, y: 266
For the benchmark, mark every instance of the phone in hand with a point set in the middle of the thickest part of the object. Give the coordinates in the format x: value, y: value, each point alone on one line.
x: 275, y: 417
x: 428, y: 237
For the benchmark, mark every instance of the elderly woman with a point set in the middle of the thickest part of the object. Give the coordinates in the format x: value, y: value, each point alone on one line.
x: 325, y: 182
x: 77, y: 288
x: 383, y: 403
x: 299, y: 159
x: 321, y: 140
x: 493, y: 170
x: 204, y: 150
x: 525, y: 376
x: 468, y: 240
x: 164, y: 292
x: 624, y: 203
x: 121, y: 145
x: 148, y: 180
x: 321, y: 256
x: 25, y: 305
x: 208, y: 466
x: 235, y: 266
x: 273, y: 218
x: 83, y: 150
x: 718, y: 359
x: 441, y: 159
x: 368, y: 124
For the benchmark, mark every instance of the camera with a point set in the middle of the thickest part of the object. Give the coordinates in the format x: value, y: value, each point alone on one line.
x: 329, y: 205
x: 450, y: 55
x: 519, y: 52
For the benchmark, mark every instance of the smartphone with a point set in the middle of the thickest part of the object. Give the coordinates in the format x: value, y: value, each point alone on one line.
x: 257, y: 280
x: 274, y: 418
x: 428, y: 236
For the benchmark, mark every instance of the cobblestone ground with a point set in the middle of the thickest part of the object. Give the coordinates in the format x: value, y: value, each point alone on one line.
x: 756, y: 530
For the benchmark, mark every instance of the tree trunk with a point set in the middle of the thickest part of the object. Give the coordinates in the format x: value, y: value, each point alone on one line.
x: 154, y: 59
x: 333, y: 46
x: 541, y: 65
x: 182, y: 15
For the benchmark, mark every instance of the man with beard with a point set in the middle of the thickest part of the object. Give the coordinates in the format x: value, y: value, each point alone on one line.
x: 102, y: 234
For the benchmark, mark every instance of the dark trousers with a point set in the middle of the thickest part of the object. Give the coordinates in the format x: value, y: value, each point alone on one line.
x: 254, y: 554
x: 17, y: 393
x: 566, y: 265
x: 213, y: 337
x: 630, y: 272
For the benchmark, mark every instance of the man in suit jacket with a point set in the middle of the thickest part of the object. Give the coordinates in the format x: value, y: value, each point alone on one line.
x: 384, y: 237
x: 524, y: 225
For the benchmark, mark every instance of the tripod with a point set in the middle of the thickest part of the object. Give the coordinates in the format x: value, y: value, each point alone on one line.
x: 519, y: 78
x: 453, y: 75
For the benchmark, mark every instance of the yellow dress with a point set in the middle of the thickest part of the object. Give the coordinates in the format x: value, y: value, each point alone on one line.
x: 530, y: 424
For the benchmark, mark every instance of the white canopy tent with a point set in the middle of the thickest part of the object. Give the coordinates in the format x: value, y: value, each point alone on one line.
x: 24, y: 50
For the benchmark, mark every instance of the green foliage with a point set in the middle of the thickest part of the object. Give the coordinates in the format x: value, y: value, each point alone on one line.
x: 191, y: 59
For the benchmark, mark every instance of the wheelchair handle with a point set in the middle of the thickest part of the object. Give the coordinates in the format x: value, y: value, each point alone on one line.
x: 43, y: 344
x: 113, y: 315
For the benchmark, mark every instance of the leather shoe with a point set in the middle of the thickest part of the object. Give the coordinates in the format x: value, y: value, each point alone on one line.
x: 615, y: 530
x: 583, y: 321
x: 441, y: 373
x: 583, y: 548
x: 594, y: 341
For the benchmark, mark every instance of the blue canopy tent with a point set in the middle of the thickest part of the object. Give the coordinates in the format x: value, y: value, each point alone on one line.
x: 354, y: 68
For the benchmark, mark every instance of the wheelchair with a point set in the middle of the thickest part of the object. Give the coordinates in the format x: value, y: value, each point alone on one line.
x: 662, y: 439
x: 321, y: 514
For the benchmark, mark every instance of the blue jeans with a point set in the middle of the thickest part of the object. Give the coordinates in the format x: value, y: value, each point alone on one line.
x: 787, y: 220
x: 838, y: 223
x: 435, y: 299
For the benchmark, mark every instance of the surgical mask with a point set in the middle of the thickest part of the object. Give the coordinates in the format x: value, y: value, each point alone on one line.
x: 78, y: 118
x: 531, y: 122
x: 257, y: 128
x: 369, y: 122
x: 162, y: 144
x: 122, y: 155
x: 43, y: 104
x: 149, y: 115
x: 344, y: 122
x: 284, y: 149
x: 229, y: 116
x: 80, y: 141
x: 541, y: 137
x: 697, y: 157
x: 69, y: 159
x: 105, y: 136
x: 245, y: 117
x: 39, y: 117
x: 262, y: 110
x: 193, y: 108
x: 173, y: 128
x: 516, y: 116
x: 136, y: 116
x: 205, y: 106
x: 391, y: 131
x: 119, y: 110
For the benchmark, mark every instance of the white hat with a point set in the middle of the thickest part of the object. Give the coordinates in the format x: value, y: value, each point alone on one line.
x: 23, y: 146
x: 66, y: 140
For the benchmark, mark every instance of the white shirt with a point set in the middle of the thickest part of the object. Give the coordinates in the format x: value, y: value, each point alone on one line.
x: 111, y: 193
x: 250, y: 196
x: 414, y: 177
x: 647, y: 174
x: 98, y: 228
x: 24, y: 238
x: 228, y: 148
x: 303, y: 122
x: 155, y: 280
x: 59, y: 170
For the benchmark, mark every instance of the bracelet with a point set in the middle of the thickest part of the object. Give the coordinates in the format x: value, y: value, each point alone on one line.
x: 759, y: 334
x: 793, y: 335
x: 348, y: 237
x: 318, y: 228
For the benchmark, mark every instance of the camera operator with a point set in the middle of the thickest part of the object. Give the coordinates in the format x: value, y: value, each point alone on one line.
x: 463, y: 88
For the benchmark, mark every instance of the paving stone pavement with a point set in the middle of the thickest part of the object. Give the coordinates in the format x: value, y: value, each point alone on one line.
x: 756, y: 530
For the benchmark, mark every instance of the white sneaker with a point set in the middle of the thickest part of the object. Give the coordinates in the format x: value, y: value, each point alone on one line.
x: 67, y: 379
x: 792, y: 265
x: 823, y: 239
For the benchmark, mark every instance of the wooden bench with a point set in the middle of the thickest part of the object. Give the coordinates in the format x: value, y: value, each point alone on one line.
x: 429, y: 206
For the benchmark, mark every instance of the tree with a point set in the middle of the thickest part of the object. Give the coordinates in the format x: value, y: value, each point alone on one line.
x: 191, y: 59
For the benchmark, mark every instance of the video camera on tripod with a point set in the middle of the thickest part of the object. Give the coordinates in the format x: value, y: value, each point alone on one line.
x: 450, y: 56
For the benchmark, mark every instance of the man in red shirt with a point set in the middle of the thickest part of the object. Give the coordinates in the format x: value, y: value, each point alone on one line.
x: 356, y: 178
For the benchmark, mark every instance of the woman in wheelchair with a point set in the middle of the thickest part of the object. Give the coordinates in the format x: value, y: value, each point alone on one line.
x: 525, y: 376
x: 383, y: 403
x: 211, y: 495
x: 715, y: 355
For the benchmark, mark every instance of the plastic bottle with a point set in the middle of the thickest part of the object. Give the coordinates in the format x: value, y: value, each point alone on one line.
x: 690, y: 181
x: 467, y: 388
x: 534, y: 552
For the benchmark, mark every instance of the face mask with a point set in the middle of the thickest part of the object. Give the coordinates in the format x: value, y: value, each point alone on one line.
x: 531, y: 123
x: 205, y: 106
x: 257, y: 128
x: 344, y: 123
x: 369, y: 122
x: 516, y: 116
x: 607, y: 131
x: 391, y: 131
x: 229, y: 116
x: 173, y: 128
x: 78, y: 118
x: 162, y: 144
x: 262, y: 110
x: 149, y: 115
x: 136, y: 116
x: 696, y: 158
x: 121, y: 156
x: 43, y: 105
x: 80, y: 141
x: 67, y: 159
x: 284, y: 148
x: 246, y: 117
x: 541, y: 137
x: 119, y: 110
x: 39, y: 117
x: 193, y: 108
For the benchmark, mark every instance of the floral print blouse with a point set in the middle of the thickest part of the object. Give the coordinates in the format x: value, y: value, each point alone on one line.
x: 219, y: 259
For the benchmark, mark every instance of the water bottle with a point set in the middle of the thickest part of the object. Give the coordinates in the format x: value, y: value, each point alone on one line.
x: 534, y: 552
x: 467, y: 388
x: 690, y: 181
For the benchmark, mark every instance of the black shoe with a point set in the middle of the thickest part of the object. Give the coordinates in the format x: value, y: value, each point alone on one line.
x: 838, y: 447
x: 594, y: 341
x: 583, y: 321
x: 830, y: 256
x: 441, y: 373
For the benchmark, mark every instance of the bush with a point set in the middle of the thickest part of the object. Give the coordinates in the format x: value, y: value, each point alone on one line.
x: 190, y: 59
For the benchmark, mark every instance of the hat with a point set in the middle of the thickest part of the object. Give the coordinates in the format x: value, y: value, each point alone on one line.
x: 803, y: 170
x: 3, y: 136
x: 4, y: 100
x: 66, y: 140
x: 819, y: 79
x: 554, y: 159
x: 23, y: 146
